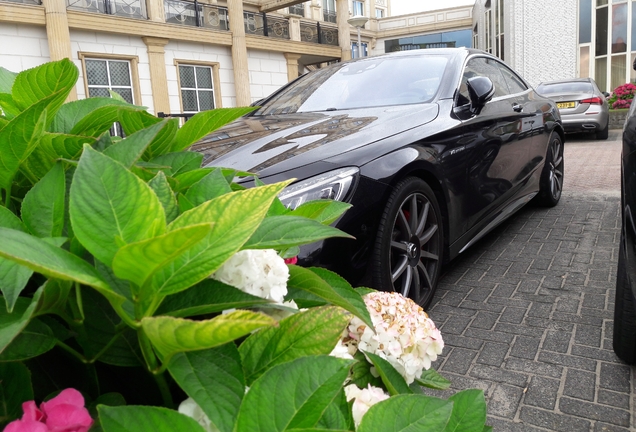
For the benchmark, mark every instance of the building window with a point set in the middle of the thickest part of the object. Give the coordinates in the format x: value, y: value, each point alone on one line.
x: 329, y: 10
x: 476, y: 37
x: 379, y: 13
x: 354, y: 50
x: 499, y: 29
x: 196, y: 84
x: 487, y: 34
x: 358, y: 8
x: 104, y: 73
x: 298, y: 9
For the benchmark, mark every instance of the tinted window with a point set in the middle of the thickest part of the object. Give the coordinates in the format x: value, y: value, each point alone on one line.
x: 362, y: 84
x: 482, y: 67
x: 515, y: 84
x: 566, y: 87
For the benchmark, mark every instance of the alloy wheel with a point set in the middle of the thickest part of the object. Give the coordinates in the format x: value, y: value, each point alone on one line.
x: 415, y: 249
x: 556, y: 168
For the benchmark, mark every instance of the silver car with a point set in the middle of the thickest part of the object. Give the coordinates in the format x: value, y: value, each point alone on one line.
x: 582, y: 105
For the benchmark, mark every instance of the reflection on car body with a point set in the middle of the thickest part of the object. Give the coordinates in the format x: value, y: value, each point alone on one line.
x: 432, y: 147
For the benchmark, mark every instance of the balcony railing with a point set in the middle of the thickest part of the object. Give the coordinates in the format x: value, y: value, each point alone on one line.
x: 123, y: 8
x: 196, y: 14
x: 329, y: 16
x: 28, y: 2
x: 265, y: 25
x: 316, y: 33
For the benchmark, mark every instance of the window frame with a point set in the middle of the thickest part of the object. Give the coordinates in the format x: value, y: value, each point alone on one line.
x: 133, y: 62
x: 216, y: 80
x: 353, y: 7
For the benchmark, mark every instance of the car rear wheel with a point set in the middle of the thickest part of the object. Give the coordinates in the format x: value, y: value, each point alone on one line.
x: 551, y: 184
x: 602, y: 135
x: 408, y: 250
x: 624, y: 312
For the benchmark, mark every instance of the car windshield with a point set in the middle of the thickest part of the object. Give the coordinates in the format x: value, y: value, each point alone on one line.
x: 566, y: 87
x: 362, y: 84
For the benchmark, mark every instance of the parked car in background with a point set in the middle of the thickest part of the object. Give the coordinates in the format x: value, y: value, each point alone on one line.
x: 433, y: 148
x: 625, y: 302
x: 583, y: 107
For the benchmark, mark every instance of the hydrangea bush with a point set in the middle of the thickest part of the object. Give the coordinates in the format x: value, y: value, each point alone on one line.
x: 622, y: 96
x: 142, y: 280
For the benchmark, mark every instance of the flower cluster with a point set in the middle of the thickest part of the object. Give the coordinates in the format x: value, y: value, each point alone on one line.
x: 190, y: 408
x: 64, y: 413
x: 258, y: 272
x: 622, y: 96
x: 621, y: 104
x: 363, y: 399
x: 403, y: 334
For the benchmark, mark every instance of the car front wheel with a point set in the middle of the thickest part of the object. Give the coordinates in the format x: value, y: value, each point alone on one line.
x: 624, y: 312
x: 409, y: 245
x: 551, y: 183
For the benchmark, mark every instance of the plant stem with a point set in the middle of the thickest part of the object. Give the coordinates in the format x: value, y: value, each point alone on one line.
x: 71, y: 351
x: 80, y: 303
x: 107, y: 346
x: 152, y: 363
x: 160, y: 379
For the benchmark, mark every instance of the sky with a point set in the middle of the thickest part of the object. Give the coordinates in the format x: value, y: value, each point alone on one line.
x: 401, y: 7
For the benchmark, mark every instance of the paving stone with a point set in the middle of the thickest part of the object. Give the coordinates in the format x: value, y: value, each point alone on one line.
x: 459, y: 360
x: 594, y: 301
x: 568, y: 360
x: 594, y: 411
x: 615, y: 377
x: 618, y: 400
x: 533, y: 367
x: 557, y: 341
x: 457, y: 325
x: 499, y: 424
x: 522, y: 330
x: 499, y: 375
x: 525, y: 347
x: 479, y: 294
x: 580, y: 384
x: 542, y: 392
x: 504, y: 401
x: 541, y: 310
x: 452, y: 340
x: 493, y: 354
x: 552, y: 421
x: 588, y: 335
x: 484, y: 320
x: 489, y: 335
x: 594, y: 353
x: 513, y: 315
x: 604, y: 427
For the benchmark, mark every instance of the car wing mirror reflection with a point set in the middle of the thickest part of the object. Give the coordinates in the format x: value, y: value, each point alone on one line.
x: 480, y: 90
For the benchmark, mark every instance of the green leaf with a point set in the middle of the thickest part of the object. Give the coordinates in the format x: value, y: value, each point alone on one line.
x: 161, y: 187
x: 214, y: 379
x: 51, y: 261
x: 133, y: 418
x: 432, y: 379
x: 211, y: 186
x: 52, y: 78
x: 130, y: 149
x: 179, y: 163
x: 43, y: 205
x: 15, y: 390
x: 163, y: 142
x: 101, y: 326
x: 17, y: 140
x: 469, y: 411
x: 135, y: 121
x: 323, y: 211
x: 278, y: 232
x: 101, y: 119
x: 13, y: 276
x: 64, y: 145
x: 186, y: 179
x: 205, y: 122
x: 293, y: 395
x: 206, y: 297
x: 71, y: 113
x: 407, y: 413
x: 313, y: 332
x: 393, y: 381
x: 330, y: 287
x: 235, y: 216
x: 361, y: 374
x: 36, y: 339
x: 173, y: 335
x: 487, y: 429
x: 338, y: 415
x: 53, y: 298
x: 8, y: 106
x: 11, y: 324
x: 184, y: 203
x: 6, y: 80
x: 111, y: 207
x: 137, y: 262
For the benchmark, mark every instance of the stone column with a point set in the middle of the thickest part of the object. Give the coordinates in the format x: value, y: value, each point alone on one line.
x: 292, y: 65
x: 239, y: 53
x: 316, y: 10
x: 294, y: 29
x: 158, y: 79
x: 156, y: 10
x: 344, y: 29
x: 58, y: 34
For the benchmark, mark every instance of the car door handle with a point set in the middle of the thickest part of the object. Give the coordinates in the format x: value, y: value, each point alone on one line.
x: 517, y: 108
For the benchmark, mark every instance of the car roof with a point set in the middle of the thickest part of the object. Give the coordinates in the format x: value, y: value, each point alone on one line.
x: 567, y: 81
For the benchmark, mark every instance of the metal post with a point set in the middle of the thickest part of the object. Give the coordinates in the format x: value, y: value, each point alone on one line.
x: 319, y: 32
x: 359, y: 44
x: 197, y: 17
x: 265, y: 31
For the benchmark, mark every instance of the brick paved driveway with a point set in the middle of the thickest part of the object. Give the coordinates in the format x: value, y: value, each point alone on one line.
x: 526, y: 313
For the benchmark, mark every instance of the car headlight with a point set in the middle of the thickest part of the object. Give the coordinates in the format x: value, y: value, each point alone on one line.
x: 331, y: 185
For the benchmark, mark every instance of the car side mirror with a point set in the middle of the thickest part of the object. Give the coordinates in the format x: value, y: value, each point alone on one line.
x: 634, y: 65
x: 480, y: 91
x: 606, y: 94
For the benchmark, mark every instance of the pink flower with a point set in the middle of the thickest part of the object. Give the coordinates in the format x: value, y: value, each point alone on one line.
x: 292, y: 260
x: 64, y: 413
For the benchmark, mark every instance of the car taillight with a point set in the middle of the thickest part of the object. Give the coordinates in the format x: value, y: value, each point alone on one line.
x: 593, y: 101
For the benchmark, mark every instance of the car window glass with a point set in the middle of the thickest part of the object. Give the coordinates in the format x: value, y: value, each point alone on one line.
x: 481, y: 67
x: 515, y: 84
x: 361, y: 84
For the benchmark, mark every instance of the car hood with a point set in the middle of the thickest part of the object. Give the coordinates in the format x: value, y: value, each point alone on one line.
x: 276, y: 143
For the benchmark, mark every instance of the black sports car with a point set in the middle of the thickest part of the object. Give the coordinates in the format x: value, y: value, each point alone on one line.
x: 434, y: 148
x: 625, y: 303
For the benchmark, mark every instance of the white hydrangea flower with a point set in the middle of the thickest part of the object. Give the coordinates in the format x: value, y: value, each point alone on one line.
x: 343, y: 351
x: 190, y: 408
x: 363, y: 399
x: 258, y: 272
x: 404, y: 335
